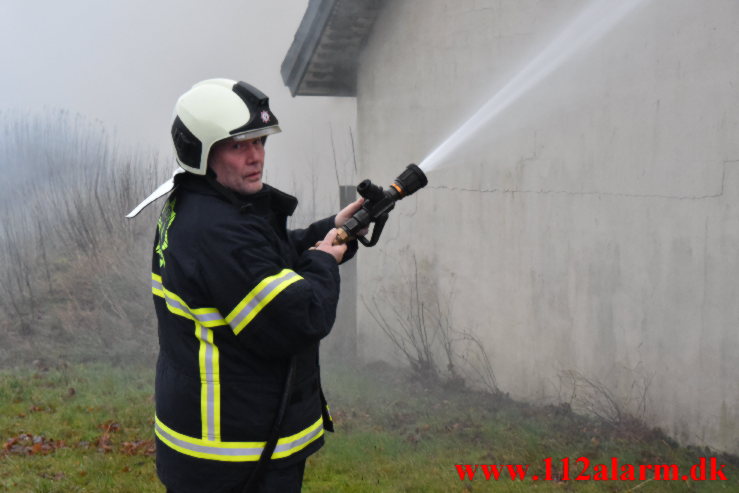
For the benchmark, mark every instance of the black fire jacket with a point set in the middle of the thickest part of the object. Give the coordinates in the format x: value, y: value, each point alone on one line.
x: 236, y: 295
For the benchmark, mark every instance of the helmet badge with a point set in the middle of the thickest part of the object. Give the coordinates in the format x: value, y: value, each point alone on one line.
x: 265, y: 116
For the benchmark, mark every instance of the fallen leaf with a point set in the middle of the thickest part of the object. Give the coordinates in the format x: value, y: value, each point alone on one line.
x: 110, y: 426
x: 10, y: 442
x: 141, y: 447
x: 28, y: 444
x: 53, y: 476
x: 104, y: 443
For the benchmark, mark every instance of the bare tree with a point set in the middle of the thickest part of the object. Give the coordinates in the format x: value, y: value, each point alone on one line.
x: 418, y: 324
x: 621, y: 407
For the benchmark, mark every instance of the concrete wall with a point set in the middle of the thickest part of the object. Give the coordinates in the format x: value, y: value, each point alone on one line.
x: 593, y: 227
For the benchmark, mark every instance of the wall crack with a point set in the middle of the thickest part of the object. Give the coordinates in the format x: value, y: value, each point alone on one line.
x: 594, y: 193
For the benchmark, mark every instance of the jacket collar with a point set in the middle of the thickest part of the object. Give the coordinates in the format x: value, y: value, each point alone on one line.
x: 268, y: 198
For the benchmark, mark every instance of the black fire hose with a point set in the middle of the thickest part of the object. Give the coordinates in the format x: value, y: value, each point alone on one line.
x: 274, y: 433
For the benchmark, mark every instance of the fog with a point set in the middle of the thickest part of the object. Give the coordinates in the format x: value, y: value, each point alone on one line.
x: 586, y: 261
x: 123, y: 64
x: 86, y: 101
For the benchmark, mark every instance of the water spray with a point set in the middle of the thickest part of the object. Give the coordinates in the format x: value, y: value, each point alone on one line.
x: 377, y: 205
x: 597, y: 19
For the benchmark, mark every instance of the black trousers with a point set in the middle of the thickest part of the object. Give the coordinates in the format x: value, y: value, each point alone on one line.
x: 277, y: 480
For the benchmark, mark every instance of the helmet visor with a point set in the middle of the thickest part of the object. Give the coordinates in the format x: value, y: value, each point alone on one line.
x: 257, y: 132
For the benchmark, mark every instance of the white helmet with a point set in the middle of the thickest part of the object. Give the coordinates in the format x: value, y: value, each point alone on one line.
x: 214, y: 110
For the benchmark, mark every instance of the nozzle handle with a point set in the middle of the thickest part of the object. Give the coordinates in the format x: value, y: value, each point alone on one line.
x: 376, y: 231
x: 343, y: 236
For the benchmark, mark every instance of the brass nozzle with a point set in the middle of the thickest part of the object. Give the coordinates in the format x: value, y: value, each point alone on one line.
x: 341, y: 237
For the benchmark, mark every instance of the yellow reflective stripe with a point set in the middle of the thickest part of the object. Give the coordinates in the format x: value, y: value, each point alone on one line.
x: 259, y: 297
x: 156, y: 285
x: 208, y: 317
x: 210, y: 384
x: 203, y: 381
x: 236, y: 451
x: 216, y: 393
x: 297, y: 442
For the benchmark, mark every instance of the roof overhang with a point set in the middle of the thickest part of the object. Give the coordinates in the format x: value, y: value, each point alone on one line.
x: 322, y: 61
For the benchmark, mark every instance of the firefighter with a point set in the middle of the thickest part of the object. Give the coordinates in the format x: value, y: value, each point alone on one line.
x: 242, y: 303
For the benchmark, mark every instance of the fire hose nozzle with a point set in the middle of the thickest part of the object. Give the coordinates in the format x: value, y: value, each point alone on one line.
x: 378, y: 203
x: 411, y: 180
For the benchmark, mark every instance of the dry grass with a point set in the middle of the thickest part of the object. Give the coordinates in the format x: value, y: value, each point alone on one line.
x: 73, y: 270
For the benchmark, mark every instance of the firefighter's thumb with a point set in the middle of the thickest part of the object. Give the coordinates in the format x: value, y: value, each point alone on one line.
x: 327, y: 245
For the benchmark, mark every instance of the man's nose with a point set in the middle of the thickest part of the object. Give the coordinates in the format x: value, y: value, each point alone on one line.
x: 252, y: 154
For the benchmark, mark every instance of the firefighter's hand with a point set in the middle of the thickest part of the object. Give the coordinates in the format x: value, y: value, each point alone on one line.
x: 327, y: 245
x: 347, y: 212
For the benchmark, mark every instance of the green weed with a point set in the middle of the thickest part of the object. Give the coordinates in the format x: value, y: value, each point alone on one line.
x: 88, y: 428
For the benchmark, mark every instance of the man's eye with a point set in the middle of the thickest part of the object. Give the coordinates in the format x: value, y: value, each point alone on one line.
x: 244, y: 144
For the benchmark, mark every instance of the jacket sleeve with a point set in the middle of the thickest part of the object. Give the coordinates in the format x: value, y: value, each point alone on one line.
x: 270, y: 307
x: 303, y: 239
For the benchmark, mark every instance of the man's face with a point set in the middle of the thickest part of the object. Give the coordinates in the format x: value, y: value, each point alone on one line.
x: 238, y: 164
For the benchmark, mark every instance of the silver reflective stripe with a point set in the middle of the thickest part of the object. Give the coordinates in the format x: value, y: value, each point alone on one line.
x: 210, y: 417
x: 208, y: 449
x: 203, y: 318
x: 281, y: 448
x: 174, y: 304
x: 208, y: 356
x: 207, y: 317
x: 239, y: 451
x: 260, y: 296
x: 156, y: 284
